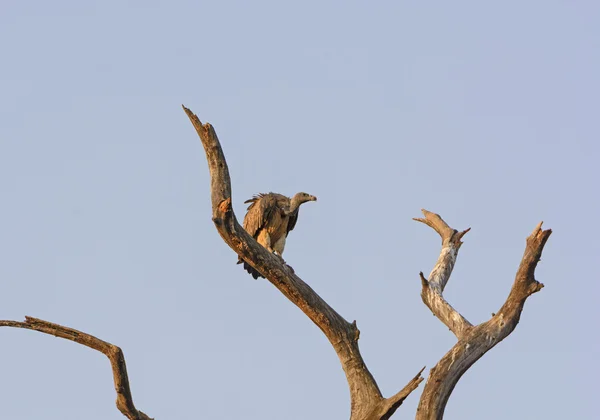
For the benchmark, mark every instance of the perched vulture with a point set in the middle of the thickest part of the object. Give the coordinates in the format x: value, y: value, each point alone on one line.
x: 269, y: 219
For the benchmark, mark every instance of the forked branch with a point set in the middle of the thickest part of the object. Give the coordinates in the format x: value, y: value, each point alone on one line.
x: 473, y: 341
x: 114, y: 354
x: 367, y: 403
x: 433, y: 289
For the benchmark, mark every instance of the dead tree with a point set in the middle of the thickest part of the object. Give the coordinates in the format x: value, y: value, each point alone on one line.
x: 366, y: 400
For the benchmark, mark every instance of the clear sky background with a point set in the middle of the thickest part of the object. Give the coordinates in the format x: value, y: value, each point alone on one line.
x: 485, y: 113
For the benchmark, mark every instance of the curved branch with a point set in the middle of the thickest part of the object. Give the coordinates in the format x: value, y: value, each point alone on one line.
x: 433, y: 289
x: 475, y: 341
x: 365, y: 396
x: 114, y: 354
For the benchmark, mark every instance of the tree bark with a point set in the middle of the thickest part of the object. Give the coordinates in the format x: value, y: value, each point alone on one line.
x: 366, y: 400
x: 473, y: 341
x: 114, y: 354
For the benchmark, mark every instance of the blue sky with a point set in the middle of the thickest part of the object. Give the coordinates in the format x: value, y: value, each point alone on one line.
x: 484, y: 113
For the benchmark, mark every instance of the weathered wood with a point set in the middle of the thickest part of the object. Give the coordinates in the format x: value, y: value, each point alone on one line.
x: 473, y: 341
x: 367, y: 402
x: 433, y: 289
x: 114, y: 354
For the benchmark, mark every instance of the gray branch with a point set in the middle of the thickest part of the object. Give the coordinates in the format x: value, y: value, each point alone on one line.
x: 473, y: 341
x: 433, y: 289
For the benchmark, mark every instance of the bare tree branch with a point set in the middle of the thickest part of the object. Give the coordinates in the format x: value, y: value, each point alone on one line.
x: 473, y: 341
x: 114, y: 354
x: 433, y: 289
x: 392, y: 403
x: 366, y: 399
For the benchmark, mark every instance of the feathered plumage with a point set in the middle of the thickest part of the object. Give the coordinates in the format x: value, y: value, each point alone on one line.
x: 269, y: 219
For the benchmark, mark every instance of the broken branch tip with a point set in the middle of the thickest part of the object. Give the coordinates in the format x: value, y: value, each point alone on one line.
x: 424, y: 281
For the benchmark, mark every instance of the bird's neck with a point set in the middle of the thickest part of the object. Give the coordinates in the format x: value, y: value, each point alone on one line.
x: 294, y: 205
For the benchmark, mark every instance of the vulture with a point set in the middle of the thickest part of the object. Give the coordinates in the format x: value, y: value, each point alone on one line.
x: 269, y: 219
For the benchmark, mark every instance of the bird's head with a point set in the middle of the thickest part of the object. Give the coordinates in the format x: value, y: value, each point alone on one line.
x: 303, y: 197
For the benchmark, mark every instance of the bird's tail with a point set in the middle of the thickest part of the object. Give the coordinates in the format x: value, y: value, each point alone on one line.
x: 249, y: 269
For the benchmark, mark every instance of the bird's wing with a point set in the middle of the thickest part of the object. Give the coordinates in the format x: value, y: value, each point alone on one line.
x: 292, y: 221
x: 260, y: 212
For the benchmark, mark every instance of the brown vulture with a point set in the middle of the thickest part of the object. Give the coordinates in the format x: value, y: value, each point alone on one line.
x: 269, y: 219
